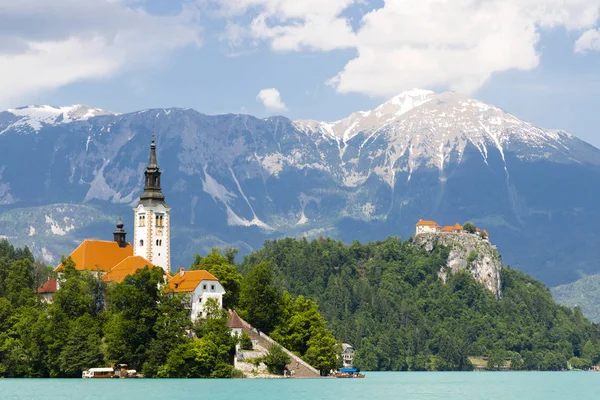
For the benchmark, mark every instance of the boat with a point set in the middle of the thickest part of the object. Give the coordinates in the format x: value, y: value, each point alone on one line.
x: 348, y: 373
x: 96, y: 373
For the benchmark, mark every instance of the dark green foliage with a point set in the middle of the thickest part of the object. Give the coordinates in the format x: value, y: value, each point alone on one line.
x: 469, y: 227
x: 496, y: 359
x: 580, y: 363
x: 210, y: 355
x: 222, y: 267
x: 276, y: 359
x: 260, y: 302
x: 142, y: 326
x: 245, y: 341
x: 132, y: 315
x: 386, y: 299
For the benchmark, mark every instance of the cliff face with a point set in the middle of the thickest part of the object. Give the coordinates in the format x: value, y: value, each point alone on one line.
x: 468, y: 252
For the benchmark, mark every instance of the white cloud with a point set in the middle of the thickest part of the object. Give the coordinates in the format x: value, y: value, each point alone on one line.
x: 271, y: 99
x: 589, y: 41
x: 296, y: 25
x: 454, y: 44
x: 48, y: 44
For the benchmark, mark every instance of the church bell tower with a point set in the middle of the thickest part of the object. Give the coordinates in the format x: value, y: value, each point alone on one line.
x: 152, y: 233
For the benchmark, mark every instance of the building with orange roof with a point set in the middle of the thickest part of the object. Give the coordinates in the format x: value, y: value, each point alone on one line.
x: 47, y: 289
x: 128, y: 266
x: 199, y: 286
x: 98, y: 256
x: 425, y: 226
x: 456, y: 228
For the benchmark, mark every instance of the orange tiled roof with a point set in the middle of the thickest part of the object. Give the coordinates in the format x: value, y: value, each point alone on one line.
x: 458, y: 227
x: 448, y: 229
x: 126, y: 267
x: 98, y: 255
x: 188, y: 281
x: 47, y: 287
x: 426, y: 223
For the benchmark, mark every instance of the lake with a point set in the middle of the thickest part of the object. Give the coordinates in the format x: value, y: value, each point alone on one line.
x: 376, y: 386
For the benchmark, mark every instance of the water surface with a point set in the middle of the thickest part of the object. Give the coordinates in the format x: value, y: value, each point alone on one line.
x: 376, y: 386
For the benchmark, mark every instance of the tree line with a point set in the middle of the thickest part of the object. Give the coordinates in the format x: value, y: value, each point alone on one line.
x: 139, y: 323
x: 385, y: 298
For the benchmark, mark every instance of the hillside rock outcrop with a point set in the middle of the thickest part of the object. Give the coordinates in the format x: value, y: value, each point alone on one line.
x: 467, y: 252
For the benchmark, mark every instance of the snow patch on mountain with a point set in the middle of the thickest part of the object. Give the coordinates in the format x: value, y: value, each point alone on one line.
x: 430, y: 130
x: 56, y: 228
x: 35, y: 117
x: 220, y: 193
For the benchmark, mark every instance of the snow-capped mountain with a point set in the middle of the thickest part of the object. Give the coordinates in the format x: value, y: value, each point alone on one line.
x: 35, y: 117
x: 237, y: 180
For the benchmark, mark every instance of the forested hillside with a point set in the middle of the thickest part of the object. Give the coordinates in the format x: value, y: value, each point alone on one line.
x: 139, y: 322
x: 385, y: 298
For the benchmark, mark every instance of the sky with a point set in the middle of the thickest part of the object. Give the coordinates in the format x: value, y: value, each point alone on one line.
x: 305, y: 59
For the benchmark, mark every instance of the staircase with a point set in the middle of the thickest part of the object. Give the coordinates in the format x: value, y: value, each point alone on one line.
x: 299, y: 367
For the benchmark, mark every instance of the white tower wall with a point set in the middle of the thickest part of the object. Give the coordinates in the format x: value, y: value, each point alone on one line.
x: 152, y: 235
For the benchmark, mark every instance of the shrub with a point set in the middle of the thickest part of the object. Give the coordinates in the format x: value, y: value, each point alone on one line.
x: 469, y: 227
x: 245, y: 342
x: 276, y: 360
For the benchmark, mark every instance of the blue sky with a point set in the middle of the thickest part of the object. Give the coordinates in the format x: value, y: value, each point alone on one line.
x: 538, y: 59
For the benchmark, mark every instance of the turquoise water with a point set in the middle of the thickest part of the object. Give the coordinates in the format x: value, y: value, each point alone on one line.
x: 376, y: 386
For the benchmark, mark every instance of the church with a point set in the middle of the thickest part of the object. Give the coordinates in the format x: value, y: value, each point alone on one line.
x: 114, y: 260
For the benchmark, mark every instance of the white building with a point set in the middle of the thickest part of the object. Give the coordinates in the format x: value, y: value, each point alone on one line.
x: 347, y: 355
x: 199, y: 286
x: 152, y: 232
x: 427, y: 227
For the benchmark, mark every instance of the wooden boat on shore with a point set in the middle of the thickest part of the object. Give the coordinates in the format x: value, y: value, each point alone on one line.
x: 348, y: 373
x: 96, y: 373
x: 109, y: 372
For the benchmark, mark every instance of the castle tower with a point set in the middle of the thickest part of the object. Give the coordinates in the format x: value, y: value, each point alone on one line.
x: 152, y: 233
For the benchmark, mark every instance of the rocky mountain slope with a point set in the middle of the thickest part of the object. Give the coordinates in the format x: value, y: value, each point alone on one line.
x: 238, y: 180
x: 468, y: 252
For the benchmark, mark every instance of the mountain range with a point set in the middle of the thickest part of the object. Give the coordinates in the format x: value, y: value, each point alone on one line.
x: 66, y: 173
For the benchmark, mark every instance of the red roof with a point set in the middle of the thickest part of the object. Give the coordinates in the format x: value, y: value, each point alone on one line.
x: 234, y: 321
x: 47, y: 287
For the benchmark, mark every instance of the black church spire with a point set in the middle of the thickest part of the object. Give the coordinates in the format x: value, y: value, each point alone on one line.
x: 152, y: 194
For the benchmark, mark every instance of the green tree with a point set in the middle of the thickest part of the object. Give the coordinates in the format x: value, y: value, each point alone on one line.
x: 517, y: 363
x: 194, y: 359
x: 82, y: 348
x: 260, y: 301
x: 323, y: 351
x: 245, y: 341
x: 469, y: 227
x: 276, y: 359
x: 223, y: 268
x: 80, y: 292
x: 132, y: 314
x: 172, y: 325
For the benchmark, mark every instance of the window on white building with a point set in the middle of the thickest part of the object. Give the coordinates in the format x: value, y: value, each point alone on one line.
x: 204, y: 287
x: 142, y: 220
x: 212, y: 287
x: 159, y: 220
x: 141, y: 243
